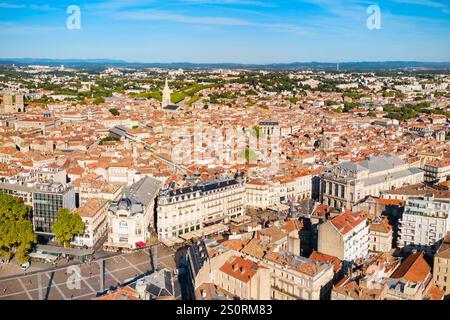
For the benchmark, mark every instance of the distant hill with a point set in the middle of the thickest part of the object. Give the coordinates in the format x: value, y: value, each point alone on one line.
x: 103, y: 63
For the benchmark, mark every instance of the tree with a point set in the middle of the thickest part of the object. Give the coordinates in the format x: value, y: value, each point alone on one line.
x: 107, y: 139
x: 66, y: 226
x: 16, y: 228
x: 99, y: 100
x: 114, y: 112
x: 256, y: 131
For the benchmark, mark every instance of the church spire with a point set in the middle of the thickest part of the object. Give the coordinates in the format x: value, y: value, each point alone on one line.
x: 166, y: 95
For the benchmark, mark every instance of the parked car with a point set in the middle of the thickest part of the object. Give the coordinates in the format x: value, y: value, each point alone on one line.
x: 25, y: 266
x: 1, y: 261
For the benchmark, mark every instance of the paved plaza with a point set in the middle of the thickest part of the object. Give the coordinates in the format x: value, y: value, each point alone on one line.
x: 59, y: 284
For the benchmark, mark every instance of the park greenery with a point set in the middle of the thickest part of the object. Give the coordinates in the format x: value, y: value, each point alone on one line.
x: 16, y: 229
x: 99, y: 100
x: 409, y: 111
x: 190, y: 91
x: 114, y: 112
x: 107, y: 139
x: 193, y: 99
x: 66, y: 226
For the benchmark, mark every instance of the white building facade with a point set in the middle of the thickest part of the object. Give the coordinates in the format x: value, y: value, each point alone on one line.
x: 192, y: 208
x: 424, y: 223
x: 347, y: 183
x: 131, y: 219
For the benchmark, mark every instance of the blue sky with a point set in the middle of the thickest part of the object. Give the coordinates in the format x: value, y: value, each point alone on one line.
x: 245, y: 31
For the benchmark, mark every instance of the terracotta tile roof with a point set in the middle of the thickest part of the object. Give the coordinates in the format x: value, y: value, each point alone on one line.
x: 434, y: 293
x: 240, y: 268
x: 234, y: 244
x: 444, y: 249
x: 325, y: 258
x: 321, y: 210
x: 92, y: 207
x: 347, y: 221
x: 125, y: 293
x: 307, y: 267
x: 274, y: 233
x: 383, y: 226
x: 292, y: 225
x: 390, y: 202
x: 254, y: 249
x: 415, y: 268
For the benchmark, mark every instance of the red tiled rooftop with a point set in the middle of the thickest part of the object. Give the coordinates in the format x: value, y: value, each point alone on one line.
x: 347, y: 221
x: 239, y: 268
x: 325, y: 258
x: 415, y: 268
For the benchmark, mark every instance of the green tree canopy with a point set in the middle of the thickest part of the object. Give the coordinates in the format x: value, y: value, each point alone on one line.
x: 66, y: 226
x: 106, y: 139
x: 99, y: 100
x: 114, y: 112
x: 16, y: 228
x: 256, y: 131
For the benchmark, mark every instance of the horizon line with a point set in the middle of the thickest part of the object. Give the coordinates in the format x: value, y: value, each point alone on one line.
x: 238, y: 63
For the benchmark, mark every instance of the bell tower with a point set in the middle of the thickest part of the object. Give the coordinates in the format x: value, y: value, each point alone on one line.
x: 166, y: 95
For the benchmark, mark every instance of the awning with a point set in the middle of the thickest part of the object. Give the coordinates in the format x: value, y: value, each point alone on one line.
x: 39, y: 255
x: 213, y: 221
x: 140, y: 244
x: 68, y: 251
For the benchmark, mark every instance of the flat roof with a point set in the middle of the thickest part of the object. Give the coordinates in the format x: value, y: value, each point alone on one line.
x: 69, y: 251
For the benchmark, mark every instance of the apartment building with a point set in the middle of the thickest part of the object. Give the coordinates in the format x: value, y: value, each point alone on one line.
x: 261, y: 194
x: 412, y: 280
x: 347, y: 183
x: 200, y: 205
x: 244, y: 279
x: 22, y: 191
x: 293, y: 277
x: 232, y: 273
x: 424, y: 223
x: 437, y: 171
x: 345, y: 236
x: 294, y: 188
x: 380, y: 235
x: 131, y: 218
x: 94, y: 215
x: 441, y: 266
x: 42, y: 123
x: 274, y: 128
x: 367, y: 281
x: 48, y: 198
x: 417, y: 190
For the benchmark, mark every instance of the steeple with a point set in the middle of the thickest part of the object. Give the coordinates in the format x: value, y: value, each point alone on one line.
x: 166, y: 95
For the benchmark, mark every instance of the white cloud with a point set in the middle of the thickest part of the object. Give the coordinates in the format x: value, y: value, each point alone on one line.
x: 156, y: 15
x: 5, y: 5
x: 426, y: 3
x: 231, y: 2
x: 167, y: 16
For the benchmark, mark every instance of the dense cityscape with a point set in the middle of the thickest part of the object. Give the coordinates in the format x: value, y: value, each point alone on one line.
x: 145, y: 183
x: 224, y: 158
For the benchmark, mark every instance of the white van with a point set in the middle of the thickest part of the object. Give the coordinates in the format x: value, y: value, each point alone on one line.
x: 25, y: 266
